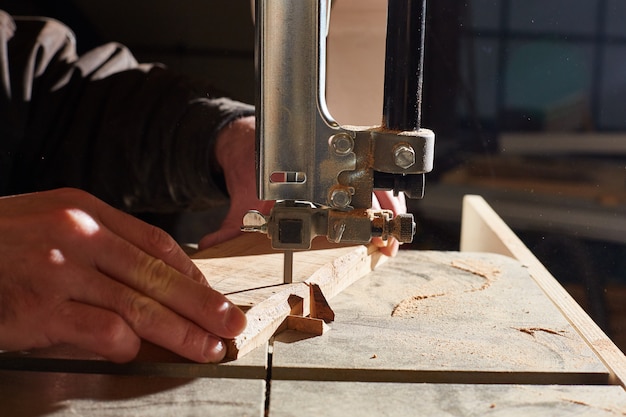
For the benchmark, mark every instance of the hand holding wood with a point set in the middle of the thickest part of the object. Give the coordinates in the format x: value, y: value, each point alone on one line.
x: 74, y: 270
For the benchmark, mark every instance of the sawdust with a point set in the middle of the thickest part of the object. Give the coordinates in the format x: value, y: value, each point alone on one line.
x: 480, y: 268
x: 408, y: 306
x: 488, y: 273
x: 532, y: 330
x: 605, y: 409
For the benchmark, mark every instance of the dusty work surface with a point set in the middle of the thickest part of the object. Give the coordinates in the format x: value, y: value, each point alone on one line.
x: 326, y: 398
x: 30, y: 394
x: 434, y: 333
x: 442, y: 317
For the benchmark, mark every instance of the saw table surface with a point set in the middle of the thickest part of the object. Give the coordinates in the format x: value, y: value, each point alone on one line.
x: 426, y: 333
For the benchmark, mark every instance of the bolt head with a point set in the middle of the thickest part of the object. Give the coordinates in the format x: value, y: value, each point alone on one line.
x: 404, y: 156
x: 340, y: 198
x: 342, y: 143
x: 405, y: 227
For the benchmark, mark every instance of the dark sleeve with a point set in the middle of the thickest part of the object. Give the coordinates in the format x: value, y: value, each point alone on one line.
x: 136, y: 135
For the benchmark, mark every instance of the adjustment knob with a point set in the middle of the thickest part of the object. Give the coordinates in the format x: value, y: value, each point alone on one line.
x: 403, y: 227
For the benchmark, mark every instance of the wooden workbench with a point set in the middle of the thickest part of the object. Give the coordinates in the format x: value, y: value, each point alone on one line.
x: 484, y: 331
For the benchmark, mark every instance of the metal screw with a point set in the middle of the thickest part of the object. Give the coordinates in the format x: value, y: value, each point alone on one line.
x: 404, y: 155
x: 340, y: 198
x: 342, y: 143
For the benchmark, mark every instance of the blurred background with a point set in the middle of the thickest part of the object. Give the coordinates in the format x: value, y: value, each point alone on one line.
x: 526, y: 97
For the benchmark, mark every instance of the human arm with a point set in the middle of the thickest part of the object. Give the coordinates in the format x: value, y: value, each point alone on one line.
x: 75, y: 270
x: 235, y: 156
x: 138, y: 136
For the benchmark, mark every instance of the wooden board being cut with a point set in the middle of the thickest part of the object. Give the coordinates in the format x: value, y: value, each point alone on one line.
x: 250, y: 273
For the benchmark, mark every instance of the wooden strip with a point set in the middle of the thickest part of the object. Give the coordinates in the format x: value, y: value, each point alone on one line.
x: 266, y: 317
x: 250, y: 273
x: 482, y: 230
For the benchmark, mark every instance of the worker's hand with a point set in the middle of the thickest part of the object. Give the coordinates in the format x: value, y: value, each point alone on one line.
x: 234, y: 151
x: 386, y: 200
x: 74, y: 270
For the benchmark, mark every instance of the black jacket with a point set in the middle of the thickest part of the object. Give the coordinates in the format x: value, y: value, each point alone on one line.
x: 136, y: 135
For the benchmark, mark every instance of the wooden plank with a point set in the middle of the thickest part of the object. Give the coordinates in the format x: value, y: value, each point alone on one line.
x: 445, y: 317
x: 28, y: 394
x: 250, y: 273
x: 331, y: 398
x: 483, y: 230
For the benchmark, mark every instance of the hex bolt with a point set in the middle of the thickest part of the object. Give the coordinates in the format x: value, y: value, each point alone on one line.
x: 342, y: 143
x: 340, y: 198
x: 404, y: 155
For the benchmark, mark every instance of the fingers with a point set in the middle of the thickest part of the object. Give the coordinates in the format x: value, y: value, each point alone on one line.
x: 388, y: 201
x: 151, y: 240
x: 151, y: 320
x: 94, y: 329
x: 156, y: 279
x: 162, y: 327
x: 387, y: 247
x: 101, y: 280
x: 165, y: 307
x: 107, y: 334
